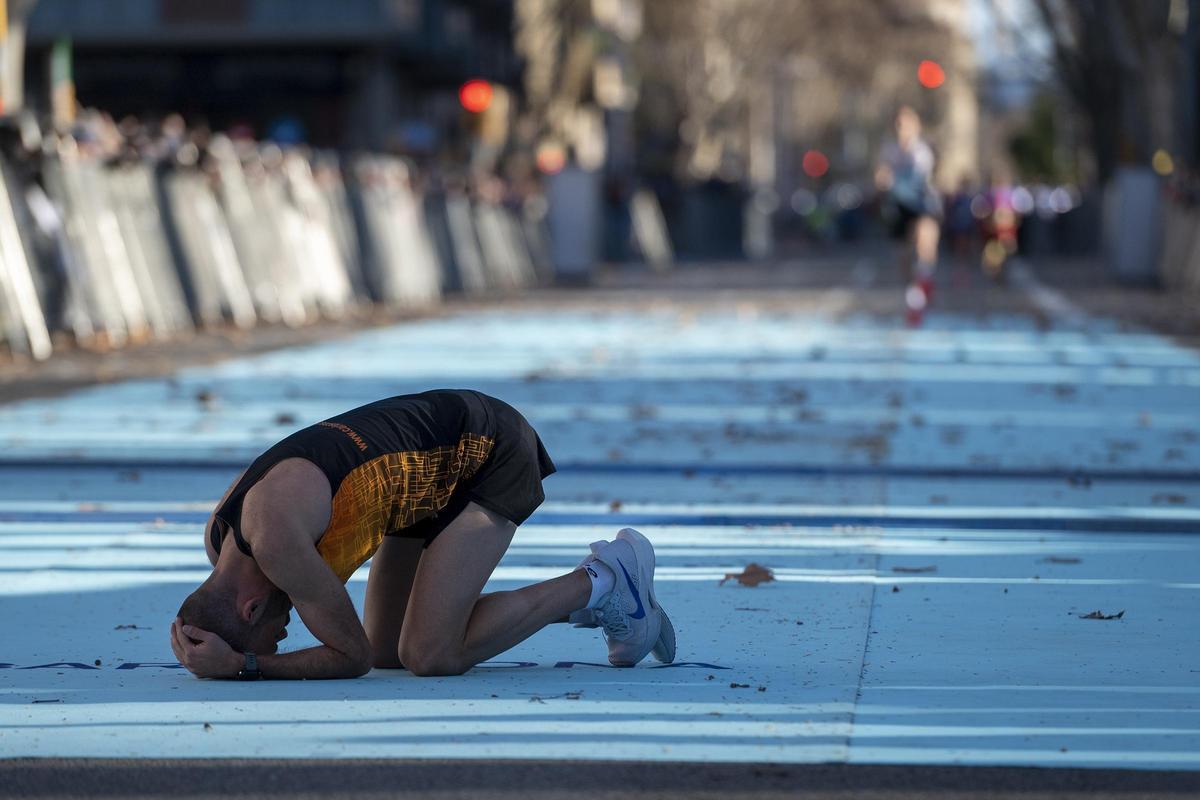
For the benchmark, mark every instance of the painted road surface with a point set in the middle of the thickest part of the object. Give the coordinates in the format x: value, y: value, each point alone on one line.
x: 940, y: 509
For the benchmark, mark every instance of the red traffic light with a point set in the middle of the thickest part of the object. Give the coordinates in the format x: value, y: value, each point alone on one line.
x: 930, y: 74
x: 815, y: 164
x: 475, y: 95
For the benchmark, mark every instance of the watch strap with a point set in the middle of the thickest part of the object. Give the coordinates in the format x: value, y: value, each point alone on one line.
x: 250, y: 672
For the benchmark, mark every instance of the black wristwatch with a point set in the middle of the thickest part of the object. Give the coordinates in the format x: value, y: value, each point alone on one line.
x: 251, y: 671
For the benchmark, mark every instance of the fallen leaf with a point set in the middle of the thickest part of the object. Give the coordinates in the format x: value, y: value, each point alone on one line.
x: 751, y: 609
x: 284, y: 418
x: 762, y: 688
x: 1171, y: 499
x: 1062, y: 560
x: 131, y: 628
x: 895, y: 589
x: 752, y: 575
x: 207, y: 727
x: 914, y: 570
x: 739, y: 686
x: 614, y: 506
x: 1102, y: 615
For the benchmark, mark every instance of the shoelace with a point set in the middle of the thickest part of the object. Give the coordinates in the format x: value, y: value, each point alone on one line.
x: 612, y: 617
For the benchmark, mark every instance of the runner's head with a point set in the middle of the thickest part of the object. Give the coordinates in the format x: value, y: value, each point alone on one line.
x: 249, y: 621
x: 908, y: 125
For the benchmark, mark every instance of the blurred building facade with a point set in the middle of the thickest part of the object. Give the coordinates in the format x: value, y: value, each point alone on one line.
x: 356, y: 73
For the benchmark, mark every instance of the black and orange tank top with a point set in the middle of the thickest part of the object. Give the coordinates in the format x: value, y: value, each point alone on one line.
x: 391, y: 465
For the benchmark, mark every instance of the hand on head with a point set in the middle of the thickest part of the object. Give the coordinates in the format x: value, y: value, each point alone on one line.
x: 203, y: 653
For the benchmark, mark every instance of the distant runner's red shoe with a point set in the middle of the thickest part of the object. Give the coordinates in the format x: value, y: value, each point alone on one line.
x: 915, y: 299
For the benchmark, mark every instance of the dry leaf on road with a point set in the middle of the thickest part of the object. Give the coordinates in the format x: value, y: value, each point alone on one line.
x: 752, y: 575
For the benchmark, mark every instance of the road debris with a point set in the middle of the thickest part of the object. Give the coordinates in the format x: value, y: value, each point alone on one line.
x: 1102, y: 615
x: 752, y: 575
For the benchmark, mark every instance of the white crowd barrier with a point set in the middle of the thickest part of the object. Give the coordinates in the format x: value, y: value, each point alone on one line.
x: 110, y: 253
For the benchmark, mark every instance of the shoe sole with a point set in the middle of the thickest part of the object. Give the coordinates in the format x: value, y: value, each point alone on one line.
x: 664, y: 649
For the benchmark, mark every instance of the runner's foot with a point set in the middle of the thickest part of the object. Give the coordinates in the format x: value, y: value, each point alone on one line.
x: 634, y: 624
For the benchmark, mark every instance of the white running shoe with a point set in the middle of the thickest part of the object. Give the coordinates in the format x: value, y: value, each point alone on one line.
x: 634, y: 624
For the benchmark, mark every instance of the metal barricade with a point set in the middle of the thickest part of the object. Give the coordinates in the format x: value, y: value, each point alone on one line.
x: 104, y: 296
x: 139, y: 218
x: 22, y: 322
x: 472, y: 273
x: 314, y: 248
x: 272, y: 292
x: 236, y: 233
x: 400, y: 261
x: 219, y: 289
x: 327, y: 173
x: 504, y: 252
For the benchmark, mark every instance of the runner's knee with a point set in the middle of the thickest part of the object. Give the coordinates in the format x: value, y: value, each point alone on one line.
x: 431, y: 661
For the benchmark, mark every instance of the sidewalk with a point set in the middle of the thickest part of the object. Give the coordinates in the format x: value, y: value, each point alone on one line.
x: 941, y: 509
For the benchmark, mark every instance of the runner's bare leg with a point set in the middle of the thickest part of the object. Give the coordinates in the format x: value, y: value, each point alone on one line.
x: 393, y: 570
x: 449, y: 626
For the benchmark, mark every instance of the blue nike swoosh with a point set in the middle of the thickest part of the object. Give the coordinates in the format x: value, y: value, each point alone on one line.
x: 641, y: 612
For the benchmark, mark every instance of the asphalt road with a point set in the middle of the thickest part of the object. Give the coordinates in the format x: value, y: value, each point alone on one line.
x: 445, y: 780
x: 875, y: 401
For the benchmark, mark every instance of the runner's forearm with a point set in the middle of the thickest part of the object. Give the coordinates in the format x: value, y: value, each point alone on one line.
x: 313, y: 663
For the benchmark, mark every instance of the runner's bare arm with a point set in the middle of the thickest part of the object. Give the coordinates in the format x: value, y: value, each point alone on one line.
x: 282, y: 517
x: 323, y: 603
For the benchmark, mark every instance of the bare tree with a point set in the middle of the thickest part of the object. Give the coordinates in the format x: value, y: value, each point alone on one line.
x: 713, y: 56
x: 1116, y: 60
x: 713, y: 74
